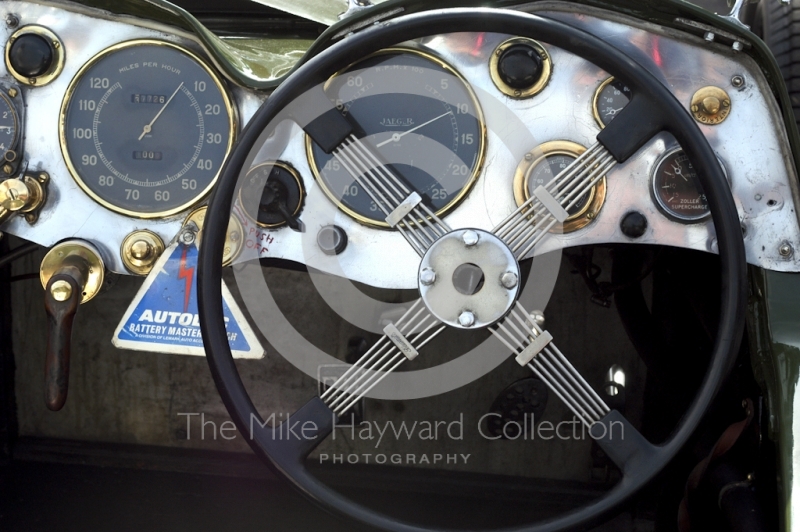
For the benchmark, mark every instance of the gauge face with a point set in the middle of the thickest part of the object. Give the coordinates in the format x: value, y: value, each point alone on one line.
x: 611, y: 97
x: 8, y: 125
x: 546, y: 169
x: 677, y: 190
x: 146, y: 127
x: 417, y: 115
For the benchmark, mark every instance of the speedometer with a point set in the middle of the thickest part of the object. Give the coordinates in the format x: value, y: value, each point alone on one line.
x: 145, y: 128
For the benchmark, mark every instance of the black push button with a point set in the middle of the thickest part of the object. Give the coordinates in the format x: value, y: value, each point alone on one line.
x: 31, y: 55
x: 633, y: 224
x: 520, y: 66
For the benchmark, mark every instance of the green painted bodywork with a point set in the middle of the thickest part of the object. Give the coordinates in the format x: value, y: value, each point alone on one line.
x: 774, y: 334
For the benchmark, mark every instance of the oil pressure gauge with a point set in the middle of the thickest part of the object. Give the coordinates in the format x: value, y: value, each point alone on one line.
x: 677, y: 190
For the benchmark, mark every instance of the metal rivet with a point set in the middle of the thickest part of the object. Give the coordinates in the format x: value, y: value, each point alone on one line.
x: 737, y: 46
x: 737, y: 81
x: 538, y: 317
x: 32, y: 81
x: 709, y: 36
x: 509, y: 280
x: 758, y: 197
x: 470, y: 237
x: 786, y: 250
x: 528, y: 157
x: 12, y: 21
x: 427, y: 276
x: 466, y: 319
x: 12, y: 93
x: 61, y: 290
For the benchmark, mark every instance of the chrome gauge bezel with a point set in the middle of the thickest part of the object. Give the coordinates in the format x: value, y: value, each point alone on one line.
x: 481, y: 148
x: 665, y: 210
x: 226, y: 98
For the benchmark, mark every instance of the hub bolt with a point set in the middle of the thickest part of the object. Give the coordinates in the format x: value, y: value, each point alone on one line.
x: 427, y: 276
x: 470, y: 238
x: 466, y: 319
x: 509, y: 280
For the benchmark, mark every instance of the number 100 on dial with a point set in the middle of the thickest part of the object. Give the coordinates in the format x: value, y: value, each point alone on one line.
x: 145, y: 128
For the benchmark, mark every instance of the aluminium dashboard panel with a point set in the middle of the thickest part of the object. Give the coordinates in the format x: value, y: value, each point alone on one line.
x: 751, y: 143
x: 69, y: 211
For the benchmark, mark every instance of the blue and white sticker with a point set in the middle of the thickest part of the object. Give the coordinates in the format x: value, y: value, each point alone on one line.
x: 163, y: 316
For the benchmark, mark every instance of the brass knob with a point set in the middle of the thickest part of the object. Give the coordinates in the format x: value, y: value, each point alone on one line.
x: 710, y: 105
x: 14, y: 194
x: 61, y: 290
x: 140, y: 250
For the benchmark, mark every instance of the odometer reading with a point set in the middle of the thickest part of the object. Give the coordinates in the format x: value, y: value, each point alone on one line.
x: 146, y: 127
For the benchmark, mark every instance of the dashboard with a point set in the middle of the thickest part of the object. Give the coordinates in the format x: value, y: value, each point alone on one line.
x: 133, y: 121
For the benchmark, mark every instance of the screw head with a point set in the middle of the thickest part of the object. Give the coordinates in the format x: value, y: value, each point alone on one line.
x: 187, y: 237
x: 786, y: 250
x: 12, y: 92
x: 466, y: 319
x: 509, y: 280
x: 737, y: 81
x: 470, y: 237
x: 12, y: 21
x: 61, y: 290
x: 758, y: 197
x: 427, y: 276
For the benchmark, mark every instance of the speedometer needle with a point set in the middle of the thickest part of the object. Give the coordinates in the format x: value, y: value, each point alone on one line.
x: 397, y: 136
x: 149, y: 126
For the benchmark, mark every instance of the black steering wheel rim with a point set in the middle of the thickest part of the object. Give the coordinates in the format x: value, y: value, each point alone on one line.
x: 668, y: 115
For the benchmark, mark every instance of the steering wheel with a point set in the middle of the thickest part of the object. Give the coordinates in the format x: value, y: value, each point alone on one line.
x: 651, y: 110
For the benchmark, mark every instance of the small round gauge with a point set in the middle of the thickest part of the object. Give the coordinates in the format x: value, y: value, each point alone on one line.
x: 145, y: 128
x: 677, y: 190
x: 610, y: 98
x: 272, y: 193
x: 9, y: 126
x: 545, y: 162
x: 419, y: 117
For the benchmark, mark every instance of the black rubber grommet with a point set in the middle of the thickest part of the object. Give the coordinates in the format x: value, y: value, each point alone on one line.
x: 520, y: 66
x: 31, y: 55
x: 633, y: 224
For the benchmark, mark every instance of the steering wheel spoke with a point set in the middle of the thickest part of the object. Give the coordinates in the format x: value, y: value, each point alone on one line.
x: 404, y: 209
x: 534, y: 348
x: 401, y: 342
x: 549, y: 204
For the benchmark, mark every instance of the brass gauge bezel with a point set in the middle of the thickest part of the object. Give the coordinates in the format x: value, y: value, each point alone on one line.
x: 536, y: 88
x: 226, y: 98
x: 533, y: 158
x: 481, y: 148
x: 294, y: 173
x: 595, y: 100
x: 58, y: 56
x: 234, y: 236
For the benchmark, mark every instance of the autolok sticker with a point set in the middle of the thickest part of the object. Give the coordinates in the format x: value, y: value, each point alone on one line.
x: 163, y: 316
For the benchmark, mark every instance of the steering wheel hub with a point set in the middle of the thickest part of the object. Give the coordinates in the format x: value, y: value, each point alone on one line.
x: 469, y: 279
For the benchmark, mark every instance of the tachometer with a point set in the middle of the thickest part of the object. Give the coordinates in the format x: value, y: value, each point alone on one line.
x: 419, y: 117
x: 145, y: 128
